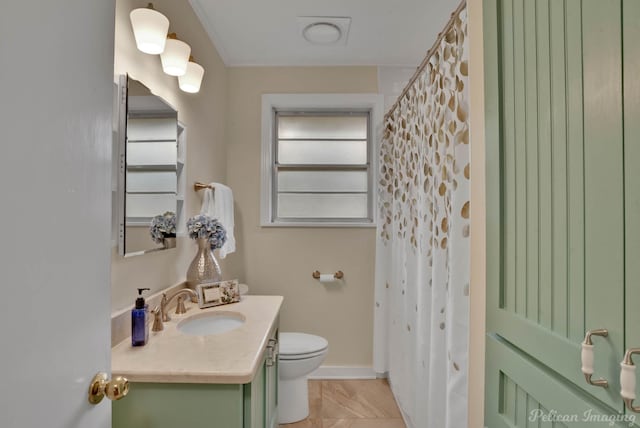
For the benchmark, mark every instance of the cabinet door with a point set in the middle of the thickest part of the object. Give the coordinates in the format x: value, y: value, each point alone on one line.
x: 555, y: 184
x: 170, y: 405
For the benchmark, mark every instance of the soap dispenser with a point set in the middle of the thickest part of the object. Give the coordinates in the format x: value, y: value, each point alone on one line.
x: 139, y: 321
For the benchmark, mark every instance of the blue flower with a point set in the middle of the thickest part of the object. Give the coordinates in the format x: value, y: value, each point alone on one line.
x: 203, y: 226
x: 163, y: 226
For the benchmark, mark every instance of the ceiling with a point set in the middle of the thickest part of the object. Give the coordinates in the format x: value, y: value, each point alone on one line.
x: 267, y: 32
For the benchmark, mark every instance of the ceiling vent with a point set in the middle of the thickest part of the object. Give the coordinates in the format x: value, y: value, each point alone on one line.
x: 324, y: 30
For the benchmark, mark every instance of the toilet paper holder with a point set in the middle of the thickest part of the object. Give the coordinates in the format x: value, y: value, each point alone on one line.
x: 338, y: 275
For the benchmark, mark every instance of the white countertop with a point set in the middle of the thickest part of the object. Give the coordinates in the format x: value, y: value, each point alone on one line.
x: 173, y: 357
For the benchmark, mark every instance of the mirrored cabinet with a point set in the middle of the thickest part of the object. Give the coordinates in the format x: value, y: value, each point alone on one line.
x: 151, y: 156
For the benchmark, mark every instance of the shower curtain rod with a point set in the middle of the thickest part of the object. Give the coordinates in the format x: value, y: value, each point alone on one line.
x: 425, y: 61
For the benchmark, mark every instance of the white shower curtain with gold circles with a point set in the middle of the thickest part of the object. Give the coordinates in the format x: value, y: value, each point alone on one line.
x: 422, y: 269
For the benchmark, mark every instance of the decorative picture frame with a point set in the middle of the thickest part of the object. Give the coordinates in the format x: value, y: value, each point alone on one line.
x: 218, y: 293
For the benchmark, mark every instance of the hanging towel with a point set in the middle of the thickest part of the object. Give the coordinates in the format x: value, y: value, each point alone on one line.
x: 218, y: 203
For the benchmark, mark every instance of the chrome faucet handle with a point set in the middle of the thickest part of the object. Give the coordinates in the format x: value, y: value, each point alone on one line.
x: 157, y: 320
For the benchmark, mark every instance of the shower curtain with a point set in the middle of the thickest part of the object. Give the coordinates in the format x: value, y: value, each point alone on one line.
x: 422, y: 254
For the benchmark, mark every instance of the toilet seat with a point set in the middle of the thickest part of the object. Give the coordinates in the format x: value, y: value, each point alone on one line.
x: 299, y: 346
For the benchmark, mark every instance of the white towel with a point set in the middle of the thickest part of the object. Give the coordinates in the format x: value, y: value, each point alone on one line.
x: 218, y: 204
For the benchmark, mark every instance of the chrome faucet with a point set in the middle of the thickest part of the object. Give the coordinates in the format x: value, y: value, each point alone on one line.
x: 161, y: 315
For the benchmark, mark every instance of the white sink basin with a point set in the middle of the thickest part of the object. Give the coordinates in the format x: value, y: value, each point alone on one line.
x: 211, y: 323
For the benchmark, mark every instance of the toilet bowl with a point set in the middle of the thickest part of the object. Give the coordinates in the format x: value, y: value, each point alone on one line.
x: 300, y: 354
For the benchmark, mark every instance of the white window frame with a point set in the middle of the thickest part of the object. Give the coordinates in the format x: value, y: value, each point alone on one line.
x: 272, y: 102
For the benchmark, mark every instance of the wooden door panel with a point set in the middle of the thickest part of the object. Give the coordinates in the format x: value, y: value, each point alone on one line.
x: 556, y: 220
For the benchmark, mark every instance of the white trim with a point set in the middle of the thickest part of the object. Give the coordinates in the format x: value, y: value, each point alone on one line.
x: 374, y: 102
x: 345, y: 372
x: 203, y: 17
x: 371, y: 225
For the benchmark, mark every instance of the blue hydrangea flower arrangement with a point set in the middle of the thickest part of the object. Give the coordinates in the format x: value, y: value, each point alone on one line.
x: 203, y: 226
x: 163, y: 226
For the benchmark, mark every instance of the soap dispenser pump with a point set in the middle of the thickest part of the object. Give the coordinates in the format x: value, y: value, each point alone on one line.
x: 139, y: 321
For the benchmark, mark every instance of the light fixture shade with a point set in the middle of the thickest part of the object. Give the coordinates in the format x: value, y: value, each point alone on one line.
x: 191, y: 80
x: 175, y: 57
x: 150, y: 29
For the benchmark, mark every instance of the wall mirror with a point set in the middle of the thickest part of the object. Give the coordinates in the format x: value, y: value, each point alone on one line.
x: 150, y: 164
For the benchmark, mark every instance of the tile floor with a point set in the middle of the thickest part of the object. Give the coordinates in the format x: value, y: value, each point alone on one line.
x: 350, y: 404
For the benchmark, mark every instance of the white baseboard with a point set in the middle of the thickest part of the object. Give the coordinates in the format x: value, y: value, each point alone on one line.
x: 344, y: 372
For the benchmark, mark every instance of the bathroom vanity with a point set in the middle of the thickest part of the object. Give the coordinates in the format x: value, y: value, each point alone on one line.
x: 226, y: 380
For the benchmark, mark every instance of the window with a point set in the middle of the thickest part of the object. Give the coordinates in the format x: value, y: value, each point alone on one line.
x: 318, y: 160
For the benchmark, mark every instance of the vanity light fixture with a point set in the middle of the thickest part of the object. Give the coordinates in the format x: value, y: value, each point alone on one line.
x: 150, y: 29
x: 175, y: 56
x: 191, y: 80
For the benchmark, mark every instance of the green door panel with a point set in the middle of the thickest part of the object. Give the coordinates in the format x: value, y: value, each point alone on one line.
x: 162, y: 405
x: 631, y: 84
x: 631, y: 19
x: 604, y: 186
x: 523, y: 393
x: 555, y: 182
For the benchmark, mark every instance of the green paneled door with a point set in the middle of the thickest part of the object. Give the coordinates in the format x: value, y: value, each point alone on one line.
x: 563, y: 192
x: 631, y: 26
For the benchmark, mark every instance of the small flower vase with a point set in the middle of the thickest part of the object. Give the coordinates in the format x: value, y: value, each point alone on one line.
x: 169, y: 242
x: 204, y: 268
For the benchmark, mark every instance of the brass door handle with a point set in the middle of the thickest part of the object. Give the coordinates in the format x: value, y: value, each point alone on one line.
x: 114, y: 389
x: 588, y: 357
x: 628, y: 380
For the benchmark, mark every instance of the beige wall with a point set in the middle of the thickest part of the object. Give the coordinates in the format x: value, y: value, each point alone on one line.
x: 204, y: 115
x: 281, y: 260
x: 477, y: 328
x: 278, y: 260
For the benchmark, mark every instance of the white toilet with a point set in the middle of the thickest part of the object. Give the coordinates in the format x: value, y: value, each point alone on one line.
x: 300, y: 354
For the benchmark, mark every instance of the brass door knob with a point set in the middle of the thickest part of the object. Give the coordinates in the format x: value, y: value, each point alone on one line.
x: 114, y: 389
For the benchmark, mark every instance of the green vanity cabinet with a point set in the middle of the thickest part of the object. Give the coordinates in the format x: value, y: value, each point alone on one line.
x: 562, y: 116
x: 195, y: 405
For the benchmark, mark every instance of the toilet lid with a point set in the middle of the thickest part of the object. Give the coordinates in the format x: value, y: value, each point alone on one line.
x: 301, y: 344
